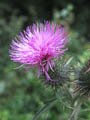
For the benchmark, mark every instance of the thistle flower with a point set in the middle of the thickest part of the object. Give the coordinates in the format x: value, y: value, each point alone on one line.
x: 83, y: 81
x: 39, y: 45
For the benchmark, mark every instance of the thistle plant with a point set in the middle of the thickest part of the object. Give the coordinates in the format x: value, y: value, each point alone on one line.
x: 43, y: 46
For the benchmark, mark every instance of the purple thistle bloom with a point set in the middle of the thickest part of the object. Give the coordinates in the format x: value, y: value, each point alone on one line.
x: 38, y: 45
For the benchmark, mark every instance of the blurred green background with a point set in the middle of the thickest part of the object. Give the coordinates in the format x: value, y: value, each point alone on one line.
x: 21, y: 93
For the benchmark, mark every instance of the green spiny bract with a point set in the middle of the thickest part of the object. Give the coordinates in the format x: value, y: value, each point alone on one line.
x: 61, y: 74
x: 83, y: 80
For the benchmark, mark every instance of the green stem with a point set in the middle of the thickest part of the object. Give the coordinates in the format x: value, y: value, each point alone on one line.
x: 75, y: 112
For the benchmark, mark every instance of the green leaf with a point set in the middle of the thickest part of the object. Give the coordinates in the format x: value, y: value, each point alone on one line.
x: 45, y: 108
x: 65, y: 97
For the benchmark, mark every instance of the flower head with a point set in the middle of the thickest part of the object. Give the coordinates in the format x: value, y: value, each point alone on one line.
x: 83, y: 80
x: 88, y: 66
x: 39, y: 45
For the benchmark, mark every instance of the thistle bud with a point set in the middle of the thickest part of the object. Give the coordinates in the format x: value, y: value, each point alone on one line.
x: 83, y: 80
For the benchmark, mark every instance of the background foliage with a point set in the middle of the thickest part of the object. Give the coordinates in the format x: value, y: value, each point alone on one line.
x: 21, y: 93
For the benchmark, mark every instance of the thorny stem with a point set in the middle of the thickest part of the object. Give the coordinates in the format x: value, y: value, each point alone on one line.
x: 76, y: 110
